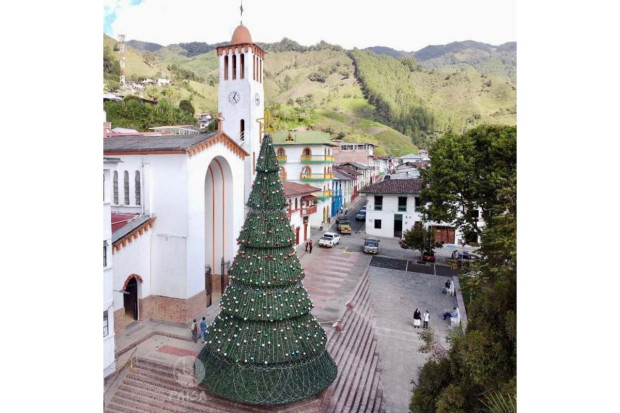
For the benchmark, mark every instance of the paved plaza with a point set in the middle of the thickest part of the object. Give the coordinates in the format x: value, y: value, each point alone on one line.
x: 394, y: 296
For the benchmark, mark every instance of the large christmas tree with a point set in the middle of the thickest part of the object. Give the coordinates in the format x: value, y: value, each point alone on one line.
x: 265, y: 347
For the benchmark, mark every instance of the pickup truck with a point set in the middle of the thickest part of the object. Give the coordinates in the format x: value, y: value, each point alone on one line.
x: 329, y: 239
x: 344, y: 226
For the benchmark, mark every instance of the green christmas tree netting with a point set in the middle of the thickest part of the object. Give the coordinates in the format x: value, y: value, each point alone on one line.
x: 265, y: 347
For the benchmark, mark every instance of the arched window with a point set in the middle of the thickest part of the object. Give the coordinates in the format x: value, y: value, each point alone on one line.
x: 281, y: 152
x: 260, y: 70
x: 138, y: 188
x: 126, y: 187
x: 306, y: 171
x: 242, y: 129
x: 307, y: 152
x: 242, y: 64
x: 225, y: 67
x: 254, y: 68
x: 234, y: 67
x: 295, y: 203
x: 282, y: 173
x: 116, y: 187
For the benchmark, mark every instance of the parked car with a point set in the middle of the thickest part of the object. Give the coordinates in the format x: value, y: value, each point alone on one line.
x: 428, y: 257
x: 371, y: 246
x: 361, y: 215
x: 463, y: 255
x: 329, y: 239
x: 344, y: 226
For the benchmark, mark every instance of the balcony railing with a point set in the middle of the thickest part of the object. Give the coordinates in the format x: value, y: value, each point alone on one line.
x: 317, y: 159
x: 402, y: 208
x: 316, y: 177
x: 324, y: 194
x: 307, y: 210
x: 378, y: 207
x: 281, y: 158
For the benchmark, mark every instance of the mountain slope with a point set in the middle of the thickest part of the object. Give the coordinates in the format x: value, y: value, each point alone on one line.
x: 355, y: 95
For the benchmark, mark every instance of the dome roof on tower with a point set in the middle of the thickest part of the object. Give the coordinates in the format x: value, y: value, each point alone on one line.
x: 241, y: 35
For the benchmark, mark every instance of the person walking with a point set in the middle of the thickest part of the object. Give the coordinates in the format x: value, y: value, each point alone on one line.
x: 310, y: 245
x: 203, y: 330
x: 427, y: 317
x: 417, y: 318
x: 306, y: 246
x: 194, y: 329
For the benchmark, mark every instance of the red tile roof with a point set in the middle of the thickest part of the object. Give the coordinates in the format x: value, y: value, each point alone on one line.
x: 294, y: 189
x: 395, y: 186
x: 120, y: 220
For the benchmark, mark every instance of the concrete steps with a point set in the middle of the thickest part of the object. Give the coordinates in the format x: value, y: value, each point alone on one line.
x: 354, y: 350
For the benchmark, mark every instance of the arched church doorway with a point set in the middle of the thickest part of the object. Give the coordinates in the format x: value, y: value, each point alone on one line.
x: 219, y: 237
x: 130, y: 299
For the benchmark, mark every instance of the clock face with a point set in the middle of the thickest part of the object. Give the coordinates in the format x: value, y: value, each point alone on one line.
x: 257, y: 99
x: 234, y: 97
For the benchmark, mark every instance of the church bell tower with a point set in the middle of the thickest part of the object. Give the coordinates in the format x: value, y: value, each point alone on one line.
x: 241, y: 97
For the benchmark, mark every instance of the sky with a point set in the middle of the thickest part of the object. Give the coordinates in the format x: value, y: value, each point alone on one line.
x: 407, y: 25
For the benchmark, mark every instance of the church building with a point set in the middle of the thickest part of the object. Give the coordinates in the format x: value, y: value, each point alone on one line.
x: 178, y: 202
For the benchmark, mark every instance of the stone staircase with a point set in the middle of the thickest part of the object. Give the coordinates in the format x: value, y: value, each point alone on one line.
x: 353, y: 348
x: 150, y: 385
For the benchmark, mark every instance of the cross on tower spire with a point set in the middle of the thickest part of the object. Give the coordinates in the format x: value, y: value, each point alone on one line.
x: 241, y: 8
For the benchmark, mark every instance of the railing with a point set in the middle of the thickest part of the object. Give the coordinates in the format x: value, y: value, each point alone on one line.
x: 402, y: 208
x: 317, y: 158
x: 378, y: 207
x: 325, y: 194
x: 316, y: 177
x: 281, y: 158
x: 308, y: 210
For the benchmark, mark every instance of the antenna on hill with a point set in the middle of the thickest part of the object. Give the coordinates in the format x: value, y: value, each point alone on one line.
x: 122, y: 39
x: 241, y: 8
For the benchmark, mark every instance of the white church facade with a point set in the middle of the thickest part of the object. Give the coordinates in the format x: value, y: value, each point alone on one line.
x: 178, y: 202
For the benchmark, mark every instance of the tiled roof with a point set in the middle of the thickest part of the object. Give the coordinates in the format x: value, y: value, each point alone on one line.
x: 294, y: 189
x: 154, y: 143
x: 309, y: 137
x: 355, y: 165
x: 342, y: 175
x: 120, y: 220
x: 347, y: 169
x: 395, y: 186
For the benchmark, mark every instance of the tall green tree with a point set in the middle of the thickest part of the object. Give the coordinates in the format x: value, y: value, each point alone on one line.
x: 471, y: 172
x: 477, y: 170
x: 421, y: 239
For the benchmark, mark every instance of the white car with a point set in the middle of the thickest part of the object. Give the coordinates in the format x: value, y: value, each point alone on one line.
x: 329, y: 239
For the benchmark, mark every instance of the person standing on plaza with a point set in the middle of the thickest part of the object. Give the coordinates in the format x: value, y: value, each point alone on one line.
x: 310, y: 245
x: 427, y: 317
x: 203, y: 329
x: 306, y: 246
x: 417, y: 318
x: 194, y: 329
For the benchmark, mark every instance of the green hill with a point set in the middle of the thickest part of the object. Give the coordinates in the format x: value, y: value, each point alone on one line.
x: 354, y: 95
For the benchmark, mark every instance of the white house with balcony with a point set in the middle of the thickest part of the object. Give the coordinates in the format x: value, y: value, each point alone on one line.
x: 302, y: 205
x: 306, y: 157
x: 393, y: 206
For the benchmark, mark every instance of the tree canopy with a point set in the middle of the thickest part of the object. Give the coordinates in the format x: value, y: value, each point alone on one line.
x: 135, y: 114
x: 477, y: 170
